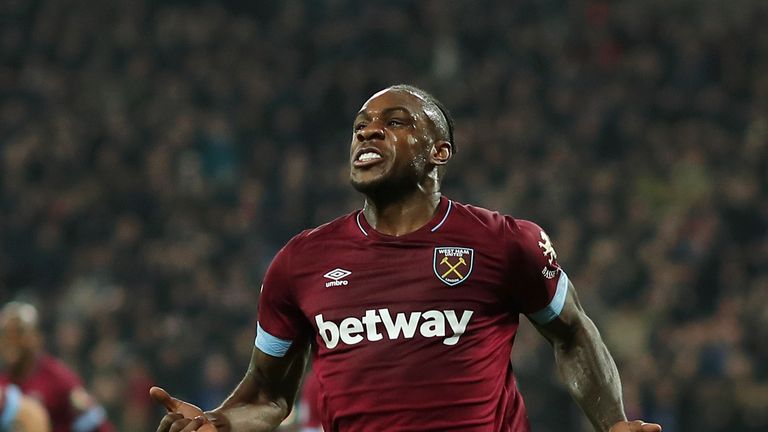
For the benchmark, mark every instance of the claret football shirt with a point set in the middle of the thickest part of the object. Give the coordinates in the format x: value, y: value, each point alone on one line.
x: 414, y: 332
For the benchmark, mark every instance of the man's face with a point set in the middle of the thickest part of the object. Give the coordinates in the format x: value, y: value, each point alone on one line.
x: 15, y: 342
x: 391, y: 140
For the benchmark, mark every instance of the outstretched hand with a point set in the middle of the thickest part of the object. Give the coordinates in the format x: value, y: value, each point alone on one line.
x: 635, y: 426
x: 182, y: 416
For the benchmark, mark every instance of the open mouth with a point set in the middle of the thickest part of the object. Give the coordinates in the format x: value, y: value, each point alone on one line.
x: 366, y: 157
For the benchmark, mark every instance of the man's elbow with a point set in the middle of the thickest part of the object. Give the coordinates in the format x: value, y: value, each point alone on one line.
x: 580, y: 331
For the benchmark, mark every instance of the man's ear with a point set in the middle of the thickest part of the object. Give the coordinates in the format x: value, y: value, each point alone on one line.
x: 442, y: 151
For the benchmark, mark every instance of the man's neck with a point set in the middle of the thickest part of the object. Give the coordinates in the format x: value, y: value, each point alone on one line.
x: 403, y: 215
x: 24, y: 368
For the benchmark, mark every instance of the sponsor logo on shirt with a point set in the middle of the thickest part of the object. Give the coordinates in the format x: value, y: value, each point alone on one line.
x: 379, y: 324
x: 453, y: 265
x: 547, y: 273
x: 336, y: 275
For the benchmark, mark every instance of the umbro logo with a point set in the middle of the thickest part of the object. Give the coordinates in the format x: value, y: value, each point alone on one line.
x: 337, y: 275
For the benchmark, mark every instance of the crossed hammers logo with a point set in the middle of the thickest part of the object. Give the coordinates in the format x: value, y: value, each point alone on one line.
x: 452, y: 268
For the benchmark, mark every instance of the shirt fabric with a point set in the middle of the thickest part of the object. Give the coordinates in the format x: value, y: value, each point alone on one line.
x: 414, y: 332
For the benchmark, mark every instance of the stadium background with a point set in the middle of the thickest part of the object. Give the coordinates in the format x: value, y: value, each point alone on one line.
x: 154, y: 155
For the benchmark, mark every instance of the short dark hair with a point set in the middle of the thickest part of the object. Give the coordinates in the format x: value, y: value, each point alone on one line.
x: 431, y: 100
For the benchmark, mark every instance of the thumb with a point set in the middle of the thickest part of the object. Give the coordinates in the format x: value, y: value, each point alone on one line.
x: 174, y: 405
x: 635, y: 426
x: 163, y: 398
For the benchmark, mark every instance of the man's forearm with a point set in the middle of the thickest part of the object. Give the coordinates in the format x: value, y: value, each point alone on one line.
x: 264, y: 397
x: 249, y: 409
x: 590, y: 374
x: 248, y: 417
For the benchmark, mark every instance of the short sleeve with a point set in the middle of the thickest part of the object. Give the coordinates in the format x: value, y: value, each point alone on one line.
x: 88, y: 415
x: 10, y: 401
x: 539, y: 285
x: 279, y: 318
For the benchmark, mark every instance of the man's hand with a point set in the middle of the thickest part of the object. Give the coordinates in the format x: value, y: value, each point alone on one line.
x: 182, y: 416
x: 635, y: 426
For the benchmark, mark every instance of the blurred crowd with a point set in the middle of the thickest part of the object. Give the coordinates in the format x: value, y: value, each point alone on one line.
x: 154, y: 155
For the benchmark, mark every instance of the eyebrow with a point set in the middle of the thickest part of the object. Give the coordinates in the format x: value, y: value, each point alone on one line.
x: 385, y: 111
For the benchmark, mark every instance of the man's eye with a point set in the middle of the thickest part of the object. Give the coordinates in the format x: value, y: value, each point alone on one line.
x: 358, y: 127
x: 395, y: 122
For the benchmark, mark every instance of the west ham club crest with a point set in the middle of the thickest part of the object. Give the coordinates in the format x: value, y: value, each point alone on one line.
x: 453, y: 264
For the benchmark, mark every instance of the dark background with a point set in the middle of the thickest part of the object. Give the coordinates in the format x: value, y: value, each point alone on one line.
x: 154, y: 155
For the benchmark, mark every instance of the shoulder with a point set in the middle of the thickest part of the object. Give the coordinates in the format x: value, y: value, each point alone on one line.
x: 528, y: 239
x: 496, y: 222
x: 474, y: 217
x: 525, y: 231
x: 299, y: 248
x: 335, y: 229
x: 523, y: 239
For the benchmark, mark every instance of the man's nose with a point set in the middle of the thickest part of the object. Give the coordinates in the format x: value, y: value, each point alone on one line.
x: 370, y: 132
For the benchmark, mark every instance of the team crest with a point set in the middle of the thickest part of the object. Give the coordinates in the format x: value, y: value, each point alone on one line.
x: 547, y: 249
x: 453, y: 265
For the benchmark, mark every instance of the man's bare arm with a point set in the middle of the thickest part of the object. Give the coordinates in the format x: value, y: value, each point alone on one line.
x: 265, y: 395
x: 587, y: 368
x: 259, y: 403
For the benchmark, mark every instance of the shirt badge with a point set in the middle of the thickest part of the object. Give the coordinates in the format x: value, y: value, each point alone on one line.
x: 453, y: 265
x: 549, y: 271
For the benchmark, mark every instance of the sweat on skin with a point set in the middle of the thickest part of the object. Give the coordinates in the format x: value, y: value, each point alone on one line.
x: 429, y: 324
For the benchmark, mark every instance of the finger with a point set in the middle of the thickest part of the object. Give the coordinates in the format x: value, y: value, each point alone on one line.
x: 167, y: 421
x: 181, y: 425
x: 192, y: 426
x: 208, y: 427
x: 651, y: 427
x: 641, y: 426
x: 163, y: 398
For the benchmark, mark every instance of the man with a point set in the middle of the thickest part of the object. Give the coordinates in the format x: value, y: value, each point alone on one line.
x: 19, y: 413
x: 40, y: 376
x: 410, y: 305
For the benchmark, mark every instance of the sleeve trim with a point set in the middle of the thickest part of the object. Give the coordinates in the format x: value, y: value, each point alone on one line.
x: 269, y: 344
x: 553, y: 309
x: 90, y: 419
x: 12, y: 404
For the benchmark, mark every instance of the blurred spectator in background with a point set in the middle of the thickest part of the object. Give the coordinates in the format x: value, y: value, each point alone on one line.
x: 154, y: 156
x: 36, y: 374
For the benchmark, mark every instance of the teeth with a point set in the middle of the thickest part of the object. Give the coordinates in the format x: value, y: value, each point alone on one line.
x: 368, y: 156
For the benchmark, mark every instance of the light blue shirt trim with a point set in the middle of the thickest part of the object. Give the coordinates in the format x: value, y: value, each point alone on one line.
x: 89, y: 420
x: 553, y: 309
x: 12, y: 403
x: 269, y: 344
x: 444, y: 217
x: 359, y: 225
